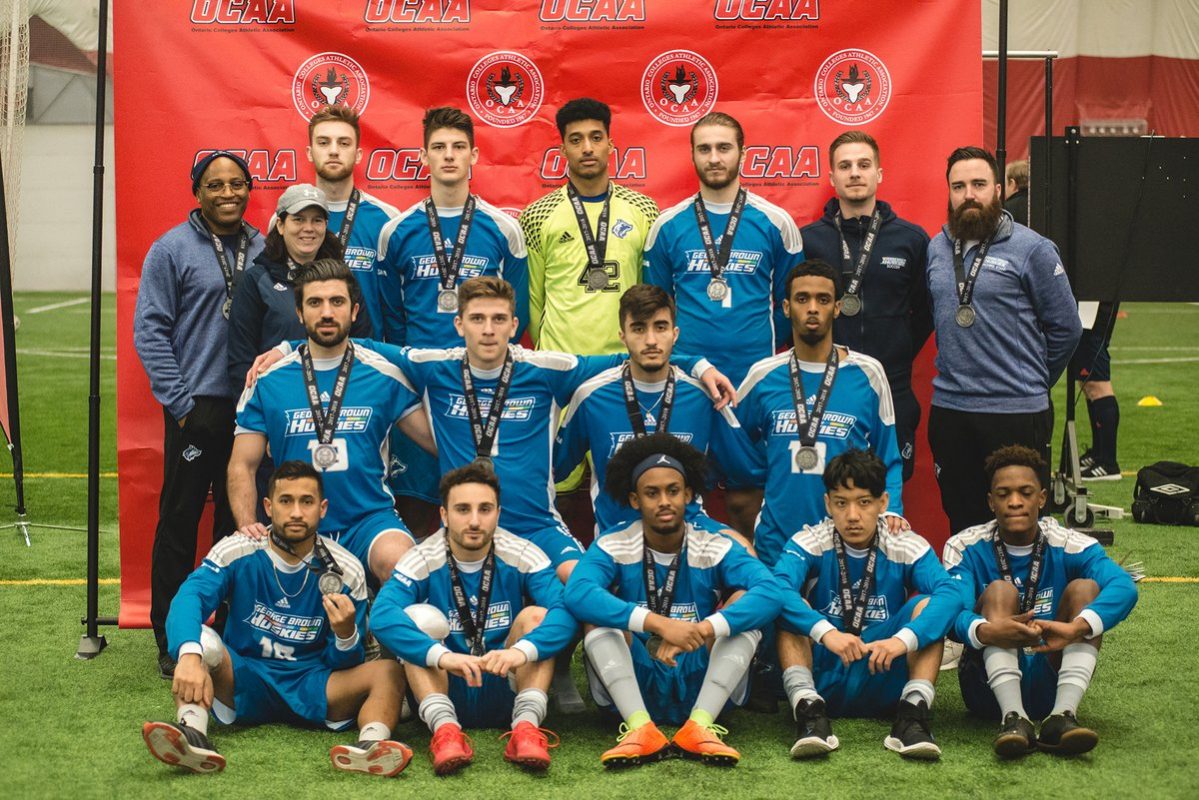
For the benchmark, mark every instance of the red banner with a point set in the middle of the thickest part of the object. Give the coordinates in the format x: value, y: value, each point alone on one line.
x: 244, y: 75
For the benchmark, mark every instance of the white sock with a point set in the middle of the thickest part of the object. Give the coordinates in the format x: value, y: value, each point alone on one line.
x: 1078, y: 665
x: 613, y: 664
x: 374, y: 732
x: 530, y: 706
x: 730, y: 659
x: 194, y: 716
x: 436, y: 710
x: 918, y: 689
x: 1003, y: 676
x: 799, y: 685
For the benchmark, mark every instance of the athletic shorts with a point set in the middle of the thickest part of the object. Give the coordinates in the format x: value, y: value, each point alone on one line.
x: 486, y: 706
x: 359, y: 537
x: 1091, y: 360
x: 557, y: 543
x: 412, y: 470
x: 264, y: 691
x: 852, y: 691
x: 1038, y: 685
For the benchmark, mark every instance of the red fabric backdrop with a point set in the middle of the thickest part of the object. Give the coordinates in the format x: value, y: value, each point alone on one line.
x: 235, y: 74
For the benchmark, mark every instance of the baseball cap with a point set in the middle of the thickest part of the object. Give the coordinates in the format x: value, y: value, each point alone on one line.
x: 299, y: 197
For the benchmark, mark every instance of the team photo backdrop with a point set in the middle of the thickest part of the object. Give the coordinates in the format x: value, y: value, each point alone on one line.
x: 192, y: 76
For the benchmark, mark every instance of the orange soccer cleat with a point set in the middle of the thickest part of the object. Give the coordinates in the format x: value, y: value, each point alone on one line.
x: 382, y: 757
x: 638, y: 746
x: 450, y: 749
x: 704, y: 744
x: 529, y: 746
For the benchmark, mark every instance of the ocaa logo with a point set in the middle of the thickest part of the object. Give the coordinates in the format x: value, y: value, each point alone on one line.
x: 592, y: 10
x: 266, y: 166
x: 853, y: 87
x: 330, y: 79
x: 623, y: 165
x: 243, y: 12
x: 678, y: 87
x: 504, y: 89
x: 766, y: 9
x: 417, y: 11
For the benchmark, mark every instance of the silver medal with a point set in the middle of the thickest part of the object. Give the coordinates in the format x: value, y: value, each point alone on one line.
x: 653, y: 644
x: 807, y: 458
x: 718, y: 289
x: 851, y: 305
x: 965, y: 316
x: 329, y: 582
x: 597, y: 278
x: 227, y: 307
x: 447, y: 300
x: 324, y: 456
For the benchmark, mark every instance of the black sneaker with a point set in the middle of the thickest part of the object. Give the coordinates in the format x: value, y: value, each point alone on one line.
x: 911, y: 735
x: 1087, y: 458
x: 166, y: 666
x: 1016, y: 737
x: 814, y: 733
x: 1062, y: 735
x: 182, y: 746
x: 1101, y: 472
x: 763, y: 683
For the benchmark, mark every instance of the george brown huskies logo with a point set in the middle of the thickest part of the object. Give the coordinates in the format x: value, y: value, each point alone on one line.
x: 853, y: 87
x: 504, y: 89
x: 330, y: 79
x: 678, y: 87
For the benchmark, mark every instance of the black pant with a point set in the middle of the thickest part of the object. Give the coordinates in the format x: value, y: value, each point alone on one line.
x: 907, y: 419
x: 962, y: 440
x: 195, y: 458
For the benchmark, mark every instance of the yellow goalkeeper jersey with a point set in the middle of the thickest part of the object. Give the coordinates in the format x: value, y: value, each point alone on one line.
x: 565, y: 313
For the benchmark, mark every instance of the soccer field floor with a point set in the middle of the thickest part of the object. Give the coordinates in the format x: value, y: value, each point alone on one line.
x: 74, y: 728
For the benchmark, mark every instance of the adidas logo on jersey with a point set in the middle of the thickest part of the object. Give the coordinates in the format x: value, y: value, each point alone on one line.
x: 565, y: 237
x: 282, y: 603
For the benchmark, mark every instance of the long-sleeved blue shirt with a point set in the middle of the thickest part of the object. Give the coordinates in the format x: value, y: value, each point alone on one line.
x: 179, y: 330
x: 1026, y: 324
x: 906, y: 564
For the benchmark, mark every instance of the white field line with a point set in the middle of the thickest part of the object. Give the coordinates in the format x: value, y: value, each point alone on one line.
x: 27, y: 351
x: 1154, y: 360
x: 64, y: 304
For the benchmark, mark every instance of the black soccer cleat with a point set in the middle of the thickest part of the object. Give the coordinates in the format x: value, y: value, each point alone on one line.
x: 813, y: 732
x: 1016, y: 737
x: 1062, y: 735
x: 166, y: 667
x: 182, y: 746
x: 911, y: 735
x: 1101, y: 472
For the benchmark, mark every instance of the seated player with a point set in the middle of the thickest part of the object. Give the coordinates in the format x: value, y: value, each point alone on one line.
x: 463, y: 656
x: 292, y: 650
x: 864, y: 616
x: 657, y: 646
x: 1039, y: 598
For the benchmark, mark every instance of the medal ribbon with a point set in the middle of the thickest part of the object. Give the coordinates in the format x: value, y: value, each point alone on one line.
x: 1029, y: 598
x: 474, y: 626
x: 347, y: 222
x: 808, y: 427
x: 322, y: 560
x: 634, y: 410
x: 660, y: 599
x: 853, y: 610
x: 448, y: 266
x: 218, y: 249
x: 847, y: 265
x: 596, y: 244
x: 966, y: 281
x: 718, y: 261
x: 325, y: 422
x: 484, y: 433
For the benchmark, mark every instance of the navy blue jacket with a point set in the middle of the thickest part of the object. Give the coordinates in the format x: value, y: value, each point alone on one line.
x: 895, y: 320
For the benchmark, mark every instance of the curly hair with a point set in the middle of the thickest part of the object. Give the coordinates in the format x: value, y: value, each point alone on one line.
x: 1013, y: 455
x: 619, y: 480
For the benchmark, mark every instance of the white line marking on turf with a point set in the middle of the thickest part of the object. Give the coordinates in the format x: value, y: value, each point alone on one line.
x: 1154, y: 348
x: 26, y: 351
x: 1145, y: 360
x: 63, y: 304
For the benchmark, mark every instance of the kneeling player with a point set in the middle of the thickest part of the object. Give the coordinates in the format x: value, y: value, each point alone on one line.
x: 864, y: 616
x: 660, y: 646
x: 292, y: 650
x: 1038, y: 600
x: 455, y: 612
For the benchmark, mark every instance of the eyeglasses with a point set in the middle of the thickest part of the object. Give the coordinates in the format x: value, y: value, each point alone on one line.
x: 216, y: 187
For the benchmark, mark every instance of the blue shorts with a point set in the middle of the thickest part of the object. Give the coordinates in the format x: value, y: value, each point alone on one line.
x: 486, y: 706
x: 359, y: 537
x: 412, y: 471
x: 557, y: 543
x: 852, y: 691
x: 267, y: 691
x: 1038, y: 684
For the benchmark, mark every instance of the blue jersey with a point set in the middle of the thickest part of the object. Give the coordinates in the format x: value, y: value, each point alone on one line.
x: 409, y: 288
x: 1069, y: 555
x: 905, y: 565
x: 859, y: 415
x: 746, y: 325
x: 607, y: 587
x: 597, y: 420
x: 362, y: 249
x: 275, y: 611
x: 523, y: 576
x: 377, y: 396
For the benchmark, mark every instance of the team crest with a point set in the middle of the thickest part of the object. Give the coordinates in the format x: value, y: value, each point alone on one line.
x: 853, y: 87
x: 330, y: 79
x: 678, y: 87
x: 504, y: 89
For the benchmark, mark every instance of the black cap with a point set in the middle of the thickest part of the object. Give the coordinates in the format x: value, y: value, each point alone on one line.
x: 202, y: 164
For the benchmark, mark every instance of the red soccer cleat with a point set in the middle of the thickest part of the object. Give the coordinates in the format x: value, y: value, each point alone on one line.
x: 529, y: 746
x: 450, y: 749
x: 384, y: 757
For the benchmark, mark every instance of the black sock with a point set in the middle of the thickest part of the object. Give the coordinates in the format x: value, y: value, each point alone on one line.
x: 1094, y: 426
x: 1105, y: 420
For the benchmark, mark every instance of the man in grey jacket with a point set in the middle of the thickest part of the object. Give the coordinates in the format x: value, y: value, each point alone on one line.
x: 180, y: 330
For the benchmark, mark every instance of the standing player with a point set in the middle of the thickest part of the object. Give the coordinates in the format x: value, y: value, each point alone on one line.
x: 1038, y: 598
x: 292, y: 647
x: 355, y: 216
x: 660, y: 648
x: 585, y: 240
x: 809, y: 405
x: 425, y: 254
x: 884, y: 311
x: 333, y: 404
x: 473, y: 610
x: 867, y: 611
x: 645, y: 395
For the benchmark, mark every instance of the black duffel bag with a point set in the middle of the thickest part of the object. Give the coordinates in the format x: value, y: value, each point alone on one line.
x: 1167, y: 493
